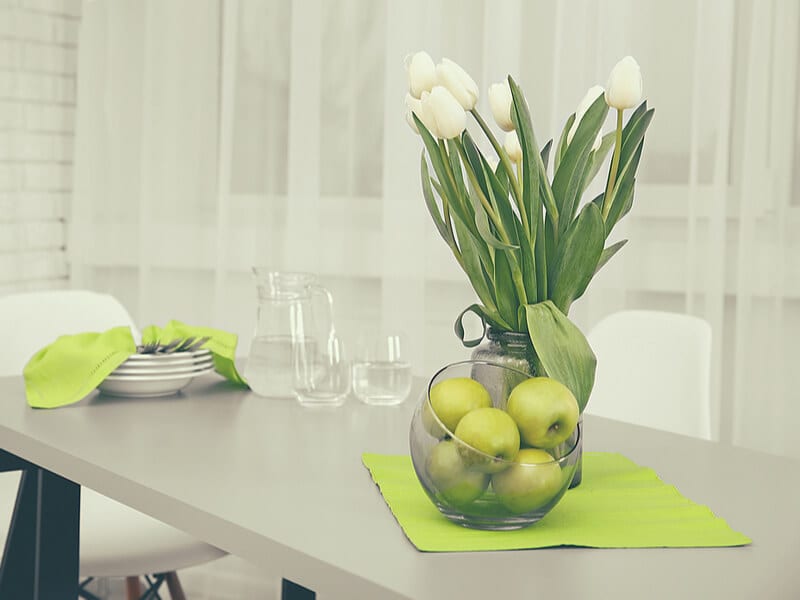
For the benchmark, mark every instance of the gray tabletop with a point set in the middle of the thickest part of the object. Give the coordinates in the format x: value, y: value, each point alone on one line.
x: 283, y: 487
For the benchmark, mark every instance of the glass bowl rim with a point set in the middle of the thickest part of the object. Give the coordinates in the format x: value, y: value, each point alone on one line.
x: 560, y: 461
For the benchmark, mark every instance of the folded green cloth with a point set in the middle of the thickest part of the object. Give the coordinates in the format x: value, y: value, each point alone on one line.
x: 618, y: 504
x: 221, y: 344
x: 70, y: 368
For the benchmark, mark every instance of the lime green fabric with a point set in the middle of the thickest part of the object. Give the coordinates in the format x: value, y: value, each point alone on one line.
x: 71, y: 367
x: 222, y: 344
x: 618, y: 504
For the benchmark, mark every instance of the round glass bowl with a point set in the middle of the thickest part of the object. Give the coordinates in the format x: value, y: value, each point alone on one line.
x: 478, y: 490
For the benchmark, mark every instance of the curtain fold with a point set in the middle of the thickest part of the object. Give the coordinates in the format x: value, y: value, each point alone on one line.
x: 217, y: 135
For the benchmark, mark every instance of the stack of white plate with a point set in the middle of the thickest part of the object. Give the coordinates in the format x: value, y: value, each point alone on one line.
x: 149, y: 375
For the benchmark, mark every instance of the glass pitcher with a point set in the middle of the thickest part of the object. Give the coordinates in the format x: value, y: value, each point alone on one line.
x: 294, y: 324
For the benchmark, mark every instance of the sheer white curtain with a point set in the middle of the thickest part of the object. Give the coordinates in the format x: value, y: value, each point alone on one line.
x: 216, y: 135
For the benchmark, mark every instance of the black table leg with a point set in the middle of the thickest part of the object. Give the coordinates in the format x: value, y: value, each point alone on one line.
x: 40, y: 559
x: 293, y: 591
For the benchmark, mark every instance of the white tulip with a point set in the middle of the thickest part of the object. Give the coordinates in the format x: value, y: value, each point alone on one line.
x: 501, y: 102
x: 594, y: 92
x: 413, y: 105
x: 624, y: 89
x: 458, y: 82
x: 442, y: 114
x: 421, y: 73
x: 512, y: 147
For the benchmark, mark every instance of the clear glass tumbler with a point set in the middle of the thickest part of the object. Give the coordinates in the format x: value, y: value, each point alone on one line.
x: 321, y: 375
x: 381, y: 374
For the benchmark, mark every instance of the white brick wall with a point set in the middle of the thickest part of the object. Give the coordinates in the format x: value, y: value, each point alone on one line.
x: 38, y: 65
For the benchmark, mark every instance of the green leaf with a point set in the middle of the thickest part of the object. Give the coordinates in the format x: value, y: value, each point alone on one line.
x: 576, y: 257
x: 541, y: 254
x: 562, y: 142
x: 562, y: 350
x: 633, y: 136
x: 527, y: 264
x: 434, y: 152
x: 534, y: 175
x: 458, y: 326
x: 504, y: 291
x: 430, y: 202
x: 622, y: 198
x: 495, y: 191
x: 608, y: 253
x: 569, y: 176
x: 596, y: 159
x: 463, y: 215
x: 545, y: 154
x: 632, y: 139
x: 477, y: 256
x: 479, y: 271
x: 455, y: 165
x: 484, y: 227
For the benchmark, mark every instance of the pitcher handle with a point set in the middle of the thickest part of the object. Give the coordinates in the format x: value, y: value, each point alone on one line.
x: 316, y: 289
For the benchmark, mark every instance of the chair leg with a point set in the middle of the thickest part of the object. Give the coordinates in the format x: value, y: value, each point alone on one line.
x: 174, y: 586
x: 133, y: 588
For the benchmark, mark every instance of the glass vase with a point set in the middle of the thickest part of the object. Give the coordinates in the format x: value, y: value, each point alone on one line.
x: 515, y: 350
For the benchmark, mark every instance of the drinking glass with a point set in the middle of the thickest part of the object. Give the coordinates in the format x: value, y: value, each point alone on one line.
x: 321, y: 375
x: 381, y: 374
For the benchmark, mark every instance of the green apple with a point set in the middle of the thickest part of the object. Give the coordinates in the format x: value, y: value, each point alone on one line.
x: 491, y: 431
x: 545, y: 411
x: 451, y: 399
x: 453, y: 480
x: 530, y: 483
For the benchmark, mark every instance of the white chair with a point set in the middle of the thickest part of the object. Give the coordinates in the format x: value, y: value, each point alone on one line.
x: 653, y: 369
x: 115, y: 540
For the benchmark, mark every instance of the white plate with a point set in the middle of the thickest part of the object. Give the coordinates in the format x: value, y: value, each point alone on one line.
x: 162, y: 377
x: 148, y: 369
x: 197, y: 354
x: 144, y: 386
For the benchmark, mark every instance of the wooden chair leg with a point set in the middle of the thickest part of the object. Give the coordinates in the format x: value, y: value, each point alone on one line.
x: 174, y: 586
x: 133, y: 588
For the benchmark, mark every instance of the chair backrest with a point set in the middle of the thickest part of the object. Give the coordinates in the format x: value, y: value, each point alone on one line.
x: 31, y: 320
x: 653, y: 369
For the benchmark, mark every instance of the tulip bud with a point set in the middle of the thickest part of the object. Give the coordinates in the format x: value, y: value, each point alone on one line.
x: 417, y: 107
x: 458, y: 83
x: 442, y: 114
x: 421, y: 73
x: 624, y: 89
x: 413, y: 105
x: 512, y: 147
x: 501, y: 102
x: 594, y: 92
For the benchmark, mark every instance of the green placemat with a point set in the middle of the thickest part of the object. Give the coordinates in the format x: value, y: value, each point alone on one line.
x: 618, y: 504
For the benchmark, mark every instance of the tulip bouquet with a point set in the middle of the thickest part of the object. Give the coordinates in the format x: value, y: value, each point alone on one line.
x: 527, y: 243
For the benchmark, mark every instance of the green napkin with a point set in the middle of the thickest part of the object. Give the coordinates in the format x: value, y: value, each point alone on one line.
x: 618, y: 504
x: 221, y: 344
x: 71, y: 367
x: 67, y: 370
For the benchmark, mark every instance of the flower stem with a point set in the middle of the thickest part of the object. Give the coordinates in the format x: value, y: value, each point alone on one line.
x: 612, y: 175
x: 516, y: 190
x: 516, y: 272
x: 483, y: 200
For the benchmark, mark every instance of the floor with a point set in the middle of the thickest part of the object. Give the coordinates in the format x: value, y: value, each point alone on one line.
x: 228, y: 578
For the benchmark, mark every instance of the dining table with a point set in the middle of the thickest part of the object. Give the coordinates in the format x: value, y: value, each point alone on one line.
x: 283, y: 486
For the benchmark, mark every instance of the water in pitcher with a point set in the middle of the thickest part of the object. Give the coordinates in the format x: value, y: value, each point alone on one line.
x: 269, y: 369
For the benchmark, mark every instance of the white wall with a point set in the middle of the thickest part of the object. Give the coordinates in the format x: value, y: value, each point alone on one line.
x: 38, y: 62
